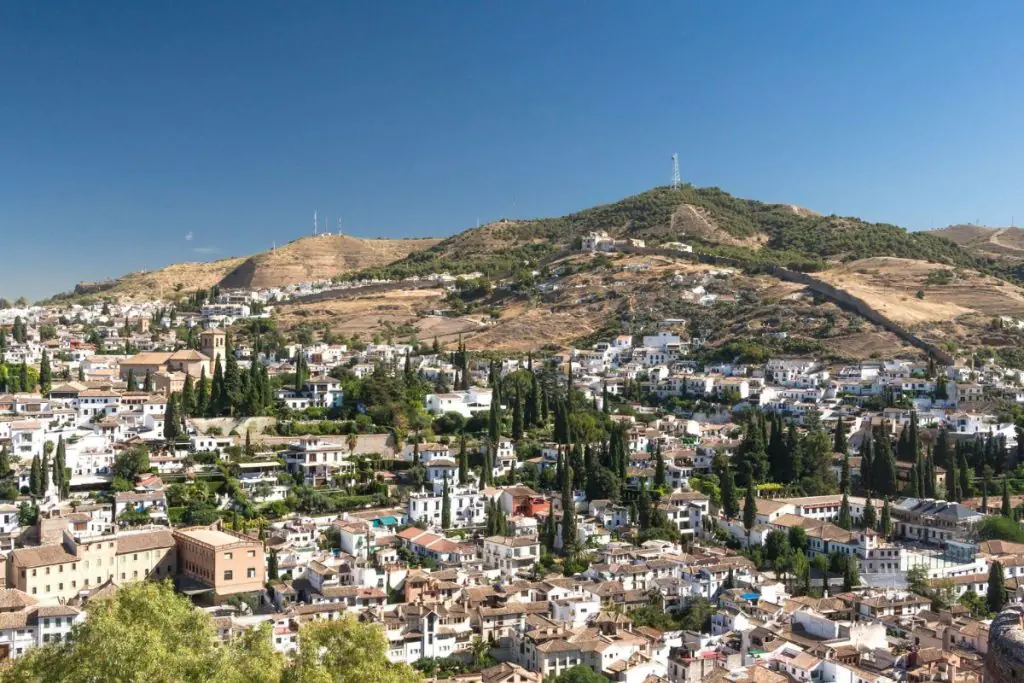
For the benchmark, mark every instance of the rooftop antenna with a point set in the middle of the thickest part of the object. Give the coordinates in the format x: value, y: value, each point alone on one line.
x: 675, y: 172
x: 339, y: 226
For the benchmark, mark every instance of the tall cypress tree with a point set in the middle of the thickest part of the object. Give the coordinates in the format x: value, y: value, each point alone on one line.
x: 870, y: 518
x: 5, y: 462
x: 44, y: 475
x: 643, y: 506
x: 45, y: 375
x: 217, y: 403
x: 463, y: 461
x: 1006, y: 510
x: 749, y: 510
x: 942, y: 454
x: 845, y: 521
x: 147, y: 383
x: 188, y: 397
x: 531, y: 411
x: 839, y: 444
x: 777, y: 452
x: 883, y: 476
x: 885, y: 523
x: 965, y: 473
x: 995, y: 597
x: 912, y: 481
x: 844, y: 478
x: 867, y: 464
x: 446, y: 506
x: 494, y: 416
x: 35, y: 477
x: 231, y: 393
x: 730, y: 506
x: 517, y: 415
x: 172, y: 419
x: 930, y: 484
x: 568, y: 512
x: 202, y: 394
x: 660, y: 477
x: 952, y: 483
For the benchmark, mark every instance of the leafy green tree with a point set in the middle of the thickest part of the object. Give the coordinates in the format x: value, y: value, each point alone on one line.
x: 995, y: 598
x: 579, y: 674
x: 147, y: 632
x: 797, y: 538
x: 132, y: 462
x: 5, y: 462
x: 345, y: 651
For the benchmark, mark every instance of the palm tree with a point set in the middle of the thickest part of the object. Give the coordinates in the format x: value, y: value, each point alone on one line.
x: 352, y: 441
x: 481, y: 650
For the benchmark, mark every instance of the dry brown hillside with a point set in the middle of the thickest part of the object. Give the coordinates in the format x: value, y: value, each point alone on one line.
x: 163, y: 282
x: 314, y: 258
x: 1001, y: 243
x: 937, y: 302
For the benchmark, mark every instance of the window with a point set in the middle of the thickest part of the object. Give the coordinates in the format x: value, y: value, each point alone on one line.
x: 228, y: 575
x: 228, y: 556
x: 252, y: 553
x: 251, y: 573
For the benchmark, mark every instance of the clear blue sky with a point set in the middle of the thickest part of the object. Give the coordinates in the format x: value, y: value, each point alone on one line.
x: 126, y: 125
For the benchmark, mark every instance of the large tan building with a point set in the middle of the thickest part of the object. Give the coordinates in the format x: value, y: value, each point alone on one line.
x: 86, y: 558
x: 185, y: 361
x: 224, y: 561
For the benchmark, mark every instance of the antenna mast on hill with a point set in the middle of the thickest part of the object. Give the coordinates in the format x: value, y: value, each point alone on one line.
x: 339, y: 226
x: 314, y: 222
x: 675, y: 172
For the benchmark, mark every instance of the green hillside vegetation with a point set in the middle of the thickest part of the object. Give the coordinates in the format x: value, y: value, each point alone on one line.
x: 773, y: 234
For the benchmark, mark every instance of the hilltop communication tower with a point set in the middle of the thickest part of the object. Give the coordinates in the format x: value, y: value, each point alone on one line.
x: 675, y: 172
x: 314, y: 222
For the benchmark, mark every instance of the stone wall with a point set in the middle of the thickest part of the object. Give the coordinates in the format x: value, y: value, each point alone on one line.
x: 1005, y: 661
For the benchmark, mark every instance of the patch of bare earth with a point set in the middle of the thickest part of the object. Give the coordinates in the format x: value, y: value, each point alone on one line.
x: 890, y: 285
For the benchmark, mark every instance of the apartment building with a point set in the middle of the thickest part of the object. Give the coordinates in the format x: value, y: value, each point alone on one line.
x: 88, y: 555
x: 219, y: 562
